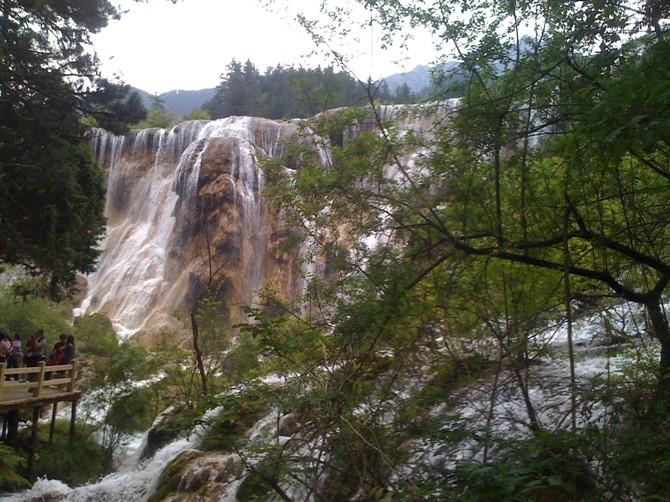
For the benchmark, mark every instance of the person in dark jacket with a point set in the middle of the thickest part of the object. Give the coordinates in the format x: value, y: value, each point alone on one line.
x: 69, y: 353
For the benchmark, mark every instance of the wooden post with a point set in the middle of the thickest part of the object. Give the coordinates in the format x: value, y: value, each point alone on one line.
x: 53, y: 422
x: 12, y: 427
x: 40, y: 380
x: 73, y: 376
x: 33, y: 443
x: 5, y: 420
x: 73, y: 418
x: 2, y: 378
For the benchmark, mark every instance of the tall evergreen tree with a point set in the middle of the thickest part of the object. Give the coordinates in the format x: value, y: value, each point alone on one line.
x: 283, y: 92
x: 52, y: 196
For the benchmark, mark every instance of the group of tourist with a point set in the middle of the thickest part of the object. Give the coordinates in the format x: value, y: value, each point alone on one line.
x: 14, y: 354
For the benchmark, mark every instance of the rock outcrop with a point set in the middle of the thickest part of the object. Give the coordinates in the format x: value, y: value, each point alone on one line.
x: 186, y: 210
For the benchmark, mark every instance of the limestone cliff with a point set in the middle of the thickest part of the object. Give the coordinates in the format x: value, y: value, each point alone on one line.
x: 185, y: 207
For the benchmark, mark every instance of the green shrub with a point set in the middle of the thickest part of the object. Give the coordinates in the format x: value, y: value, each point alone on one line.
x: 11, y: 463
x: 74, y: 462
x: 240, y: 412
x: 25, y: 316
x: 133, y: 412
x: 95, y: 335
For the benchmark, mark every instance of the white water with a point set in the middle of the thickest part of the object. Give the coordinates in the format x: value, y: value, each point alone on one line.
x: 153, y: 177
x: 131, y: 483
x: 549, y: 390
x: 145, y: 271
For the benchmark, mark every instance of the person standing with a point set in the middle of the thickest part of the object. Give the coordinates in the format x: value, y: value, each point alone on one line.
x: 16, y: 355
x: 30, y: 346
x: 17, y: 351
x: 69, y: 352
x: 38, y: 350
x: 5, y: 348
x: 58, y: 352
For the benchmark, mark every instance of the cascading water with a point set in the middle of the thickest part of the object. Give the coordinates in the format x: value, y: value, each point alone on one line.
x: 184, y: 202
x: 154, y: 211
x: 159, y: 183
x: 133, y: 483
x: 166, y: 189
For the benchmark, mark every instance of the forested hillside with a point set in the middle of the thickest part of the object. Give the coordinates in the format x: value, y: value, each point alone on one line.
x: 181, y: 102
x: 284, y: 92
x: 288, y: 92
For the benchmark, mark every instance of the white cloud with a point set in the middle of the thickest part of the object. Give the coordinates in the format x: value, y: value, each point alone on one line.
x: 159, y: 46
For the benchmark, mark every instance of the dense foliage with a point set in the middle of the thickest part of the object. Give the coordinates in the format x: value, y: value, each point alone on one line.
x: 453, y: 251
x: 52, y: 193
x: 288, y: 92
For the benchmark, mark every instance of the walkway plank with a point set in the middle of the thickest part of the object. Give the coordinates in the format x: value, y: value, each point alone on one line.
x: 43, y: 390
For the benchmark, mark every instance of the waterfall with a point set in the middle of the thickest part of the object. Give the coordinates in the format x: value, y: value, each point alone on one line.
x: 185, y: 201
x: 149, y: 258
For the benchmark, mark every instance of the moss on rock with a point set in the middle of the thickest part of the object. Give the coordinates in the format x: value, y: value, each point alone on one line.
x: 195, y: 475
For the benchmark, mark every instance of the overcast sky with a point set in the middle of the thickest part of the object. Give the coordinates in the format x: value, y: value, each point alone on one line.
x: 159, y: 46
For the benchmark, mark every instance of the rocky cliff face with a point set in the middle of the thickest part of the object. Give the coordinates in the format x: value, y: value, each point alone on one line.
x: 185, y: 207
x: 186, y: 210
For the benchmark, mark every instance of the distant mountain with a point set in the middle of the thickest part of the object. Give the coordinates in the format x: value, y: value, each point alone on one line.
x: 418, y: 80
x: 184, y: 102
x: 180, y: 101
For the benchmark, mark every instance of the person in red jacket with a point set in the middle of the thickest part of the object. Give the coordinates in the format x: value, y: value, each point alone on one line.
x: 58, y: 352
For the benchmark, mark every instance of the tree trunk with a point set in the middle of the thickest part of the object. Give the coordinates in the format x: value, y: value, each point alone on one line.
x: 659, y: 327
x: 198, y: 354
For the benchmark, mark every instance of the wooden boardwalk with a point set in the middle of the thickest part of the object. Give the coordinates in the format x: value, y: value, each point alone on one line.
x: 36, y: 387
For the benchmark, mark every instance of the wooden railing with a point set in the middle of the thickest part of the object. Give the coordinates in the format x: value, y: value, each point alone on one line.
x: 37, y: 380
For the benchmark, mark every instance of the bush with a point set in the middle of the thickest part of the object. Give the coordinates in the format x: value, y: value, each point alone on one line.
x: 11, y: 463
x: 74, y: 462
x: 26, y: 315
x: 95, y: 335
x: 133, y: 412
x: 240, y: 412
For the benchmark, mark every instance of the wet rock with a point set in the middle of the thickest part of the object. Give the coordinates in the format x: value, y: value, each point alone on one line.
x: 288, y: 425
x: 206, y: 469
x: 610, y: 340
x: 195, y: 475
x: 183, y: 203
x: 170, y: 478
x: 47, y: 497
x: 167, y: 427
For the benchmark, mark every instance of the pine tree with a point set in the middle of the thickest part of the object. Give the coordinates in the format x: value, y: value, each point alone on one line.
x: 52, y: 195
